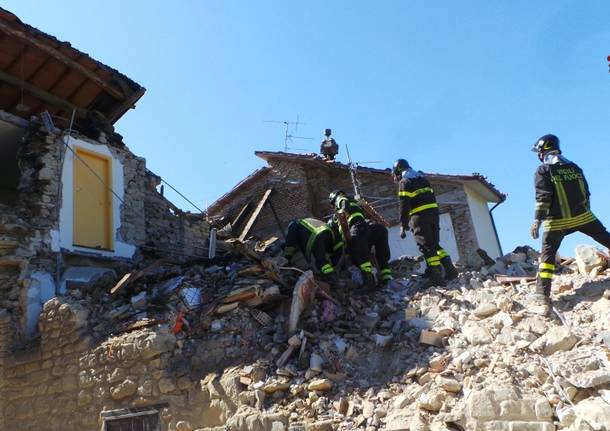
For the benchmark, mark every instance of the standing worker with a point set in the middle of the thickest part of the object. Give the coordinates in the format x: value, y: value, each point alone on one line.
x: 329, y: 147
x: 314, y: 239
x: 419, y: 212
x: 359, y: 232
x: 562, y: 207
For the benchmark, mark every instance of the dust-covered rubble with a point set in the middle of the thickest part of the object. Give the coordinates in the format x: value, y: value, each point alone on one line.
x: 474, y: 355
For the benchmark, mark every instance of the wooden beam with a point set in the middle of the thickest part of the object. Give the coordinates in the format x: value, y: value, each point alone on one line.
x: 35, y: 91
x: 129, y: 103
x: 59, y: 56
x: 254, y: 215
x: 237, y: 222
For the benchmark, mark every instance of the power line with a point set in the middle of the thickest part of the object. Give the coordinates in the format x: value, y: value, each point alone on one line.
x: 169, y: 249
x: 183, y: 197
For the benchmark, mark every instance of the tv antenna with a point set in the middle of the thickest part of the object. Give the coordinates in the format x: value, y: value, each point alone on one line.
x: 288, y: 133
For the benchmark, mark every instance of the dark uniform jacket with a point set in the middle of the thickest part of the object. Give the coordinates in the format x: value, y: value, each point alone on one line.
x: 562, y: 194
x: 351, y: 208
x: 313, y: 236
x: 415, y: 195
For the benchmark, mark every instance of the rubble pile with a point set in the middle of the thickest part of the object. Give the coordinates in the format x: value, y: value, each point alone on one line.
x: 478, y: 354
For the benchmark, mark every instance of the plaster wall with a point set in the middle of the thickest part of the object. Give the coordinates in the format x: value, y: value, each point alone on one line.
x: 483, y: 226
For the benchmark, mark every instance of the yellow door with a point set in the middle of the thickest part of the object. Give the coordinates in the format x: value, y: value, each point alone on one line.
x: 92, y: 201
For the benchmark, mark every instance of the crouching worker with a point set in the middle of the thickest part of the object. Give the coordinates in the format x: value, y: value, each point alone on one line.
x: 359, y: 233
x: 314, y: 239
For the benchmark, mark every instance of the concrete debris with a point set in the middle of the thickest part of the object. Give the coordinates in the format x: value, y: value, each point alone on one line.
x: 589, y: 259
x: 259, y: 351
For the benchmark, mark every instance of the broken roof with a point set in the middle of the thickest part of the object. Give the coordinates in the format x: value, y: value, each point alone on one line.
x: 475, y: 180
x: 255, y: 176
x: 40, y: 73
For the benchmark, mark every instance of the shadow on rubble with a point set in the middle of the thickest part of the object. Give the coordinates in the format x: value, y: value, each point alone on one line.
x: 589, y: 291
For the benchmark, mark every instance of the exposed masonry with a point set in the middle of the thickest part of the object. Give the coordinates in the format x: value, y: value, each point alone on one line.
x: 32, y: 257
x: 301, y: 191
x: 71, y: 378
x: 170, y: 231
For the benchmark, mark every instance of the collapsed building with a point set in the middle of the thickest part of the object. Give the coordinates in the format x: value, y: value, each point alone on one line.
x: 75, y: 202
x: 97, y: 332
x: 297, y: 185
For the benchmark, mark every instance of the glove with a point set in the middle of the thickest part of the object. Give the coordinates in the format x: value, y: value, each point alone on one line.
x: 534, y: 230
x: 403, y: 233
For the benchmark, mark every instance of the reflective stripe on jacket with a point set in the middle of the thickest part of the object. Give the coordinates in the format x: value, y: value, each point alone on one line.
x: 562, y: 196
x: 351, y: 208
x: 415, y: 195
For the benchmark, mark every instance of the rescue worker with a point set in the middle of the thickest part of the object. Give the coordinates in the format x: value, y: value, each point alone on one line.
x: 378, y: 240
x: 329, y: 147
x: 418, y: 211
x: 313, y: 238
x: 359, y: 231
x: 562, y: 207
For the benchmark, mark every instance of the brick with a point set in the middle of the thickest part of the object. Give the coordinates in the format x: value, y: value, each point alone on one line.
x: 431, y: 338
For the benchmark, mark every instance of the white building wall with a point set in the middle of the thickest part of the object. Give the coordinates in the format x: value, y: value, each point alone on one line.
x: 483, y: 226
x: 400, y: 247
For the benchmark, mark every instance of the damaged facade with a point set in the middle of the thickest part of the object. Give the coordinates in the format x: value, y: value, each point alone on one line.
x: 300, y: 185
x: 75, y: 202
x: 193, y: 344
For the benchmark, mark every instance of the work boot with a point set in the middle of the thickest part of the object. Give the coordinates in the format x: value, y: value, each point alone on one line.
x: 451, y: 272
x: 385, y: 277
x: 543, y: 287
x: 369, y: 282
x: 434, y: 277
x: 542, y: 297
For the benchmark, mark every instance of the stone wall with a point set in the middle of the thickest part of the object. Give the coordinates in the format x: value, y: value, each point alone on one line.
x: 70, y: 379
x: 170, y: 232
x: 30, y: 229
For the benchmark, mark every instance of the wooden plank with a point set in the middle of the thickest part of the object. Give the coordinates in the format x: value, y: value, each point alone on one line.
x: 59, y: 56
x: 136, y: 276
x: 508, y: 279
x: 237, y: 222
x: 120, y: 283
x: 255, y: 215
x: 373, y: 214
x: 128, y: 104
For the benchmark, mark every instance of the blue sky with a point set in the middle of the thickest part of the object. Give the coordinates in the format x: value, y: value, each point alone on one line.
x: 454, y: 87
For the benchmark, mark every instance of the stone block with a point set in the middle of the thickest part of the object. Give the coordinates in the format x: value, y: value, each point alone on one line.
x: 531, y: 426
x: 476, y: 334
x: 431, y: 338
x: 557, y: 338
x: 124, y: 389
x: 166, y: 385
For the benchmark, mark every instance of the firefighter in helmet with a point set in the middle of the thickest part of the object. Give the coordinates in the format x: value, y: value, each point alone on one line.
x: 419, y: 213
x: 562, y: 207
x: 359, y: 232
